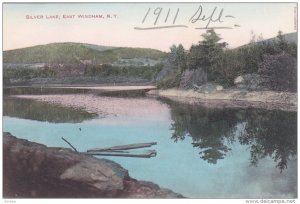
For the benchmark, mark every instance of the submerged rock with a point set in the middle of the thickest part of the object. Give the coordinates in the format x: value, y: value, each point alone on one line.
x: 32, y: 170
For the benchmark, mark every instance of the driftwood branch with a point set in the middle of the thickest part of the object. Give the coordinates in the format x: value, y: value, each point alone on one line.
x: 69, y: 144
x: 119, y: 150
x: 147, y: 154
x: 123, y: 147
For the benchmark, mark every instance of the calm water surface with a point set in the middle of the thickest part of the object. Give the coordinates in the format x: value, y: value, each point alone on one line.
x: 201, y: 153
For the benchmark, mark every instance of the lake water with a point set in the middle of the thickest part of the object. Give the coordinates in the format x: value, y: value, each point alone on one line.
x: 201, y: 152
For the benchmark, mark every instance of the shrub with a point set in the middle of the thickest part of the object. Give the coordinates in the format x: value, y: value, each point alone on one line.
x: 280, y: 72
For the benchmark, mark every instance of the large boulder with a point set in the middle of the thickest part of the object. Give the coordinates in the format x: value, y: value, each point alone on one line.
x: 249, y: 82
x: 239, y: 80
x: 191, y: 77
x: 32, y: 170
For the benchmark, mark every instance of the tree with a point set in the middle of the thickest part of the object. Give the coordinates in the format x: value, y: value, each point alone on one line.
x: 172, y: 54
x: 207, y: 55
x: 178, y: 57
x: 181, y: 57
x: 280, y: 72
x: 282, y: 44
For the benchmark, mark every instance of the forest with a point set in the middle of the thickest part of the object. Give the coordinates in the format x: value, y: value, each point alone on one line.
x: 275, y: 61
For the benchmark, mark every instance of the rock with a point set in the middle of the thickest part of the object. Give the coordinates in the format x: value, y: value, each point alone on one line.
x: 32, y: 170
x: 209, y: 88
x: 219, y: 88
x: 142, y: 189
x: 192, y: 77
x: 249, y: 82
x: 239, y: 80
x: 99, y: 176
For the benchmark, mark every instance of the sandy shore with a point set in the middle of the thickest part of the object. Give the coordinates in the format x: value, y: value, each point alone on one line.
x: 233, y: 98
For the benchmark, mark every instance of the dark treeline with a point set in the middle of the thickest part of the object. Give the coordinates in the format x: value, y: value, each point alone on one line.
x: 28, y: 73
x: 274, y: 60
x: 145, y: 72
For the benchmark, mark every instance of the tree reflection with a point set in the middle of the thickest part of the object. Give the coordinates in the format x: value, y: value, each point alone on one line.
x: 267, y: 133
x: 34, y: 110
x: 271, y: 133
x: 209, y: 129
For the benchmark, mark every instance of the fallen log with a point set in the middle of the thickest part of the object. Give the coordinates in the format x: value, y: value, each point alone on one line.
x: 69, y: 144
x: 147, y: 154
x: 123, y: 147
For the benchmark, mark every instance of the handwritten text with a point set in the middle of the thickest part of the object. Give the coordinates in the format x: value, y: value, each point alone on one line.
x: 160, y: 18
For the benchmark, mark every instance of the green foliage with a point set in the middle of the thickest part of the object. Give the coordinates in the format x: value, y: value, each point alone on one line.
x: 174, y: 66
x: 280, y: 72
x: 246, y: 59
x: 229, y: 68
x: 223, y: 66
x: 144, y: 72
x: 207, y: 55
x: 178, y: 57
x: 58, y: 53
x: 66, y: 58
x: 172, y: 80
x: 28, y: 73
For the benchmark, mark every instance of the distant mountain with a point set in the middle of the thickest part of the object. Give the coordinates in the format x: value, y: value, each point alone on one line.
x: 99, y: 47
x: 289, y: 37
x: 73, y: 53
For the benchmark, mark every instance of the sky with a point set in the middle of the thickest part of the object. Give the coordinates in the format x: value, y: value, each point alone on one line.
x: 142, y: 24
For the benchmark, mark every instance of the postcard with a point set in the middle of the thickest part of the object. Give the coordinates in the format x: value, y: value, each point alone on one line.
x: 150, y: 100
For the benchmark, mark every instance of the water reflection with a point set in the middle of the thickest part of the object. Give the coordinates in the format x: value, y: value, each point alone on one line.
x: 228, y: 141
x: 270, y: 133
x: 210, y: 129
x: 42, y: 90
x: 35, y: 110
x: 267, y: 133
x: 123, y: 93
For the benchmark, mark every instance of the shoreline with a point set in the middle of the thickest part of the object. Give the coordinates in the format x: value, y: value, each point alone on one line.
x: 227, y: 98
x: 231, y: 98
x: 115, y: 86
x: 54, y: 172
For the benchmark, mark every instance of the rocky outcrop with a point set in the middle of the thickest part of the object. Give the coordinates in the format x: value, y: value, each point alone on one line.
x: 192, y: 77
x: 167, y: 70
x: 32, y: 170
